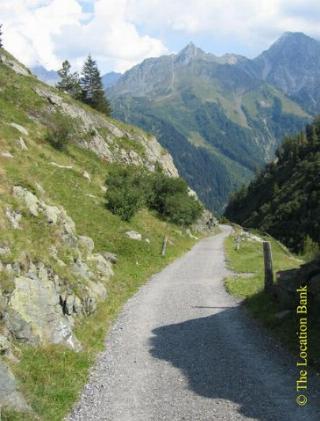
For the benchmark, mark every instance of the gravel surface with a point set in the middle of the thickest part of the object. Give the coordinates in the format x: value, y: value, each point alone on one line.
x: 183, y: 349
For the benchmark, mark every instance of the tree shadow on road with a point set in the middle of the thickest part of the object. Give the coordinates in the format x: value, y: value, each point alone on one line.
x: 209, y: 358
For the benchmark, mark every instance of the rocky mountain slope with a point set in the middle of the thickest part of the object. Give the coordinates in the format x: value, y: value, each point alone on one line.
x: 220, y: 117
x: 292, y: 64
x: 61, y: 251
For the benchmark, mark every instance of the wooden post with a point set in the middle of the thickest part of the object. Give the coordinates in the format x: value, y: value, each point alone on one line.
x: 268, y: 267
x: 164, y: 246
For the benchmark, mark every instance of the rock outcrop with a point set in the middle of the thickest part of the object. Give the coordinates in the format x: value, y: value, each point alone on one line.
x: 107, y: 138
x: 289, y: 281
x: 43, y: 304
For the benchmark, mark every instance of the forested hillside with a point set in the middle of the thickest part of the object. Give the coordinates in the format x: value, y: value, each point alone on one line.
x: 284, y: 199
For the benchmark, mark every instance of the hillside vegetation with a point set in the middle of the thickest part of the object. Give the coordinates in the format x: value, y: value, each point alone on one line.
x: 284, y: 199
x: 67, y: 264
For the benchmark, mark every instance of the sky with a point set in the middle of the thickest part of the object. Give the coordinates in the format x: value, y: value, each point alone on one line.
x: 122, y: 33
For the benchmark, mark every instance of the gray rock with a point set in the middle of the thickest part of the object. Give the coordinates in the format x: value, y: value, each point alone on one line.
x: 87, y: 176
x: 134, y: 235
x: 110, y: 257
x: 30, y: 200
x: 4, y: 345
x: 21, y: 144
x: 205, y: 223
x: 4, y: 250
x: 103, y: 266
x: 52, y: 213
x: 81, y: 269
x: 14, y: 65
x: 35, y: 303
x: 7, y: 155
x: 87, y: 243
x: 14, y: 218
x: 9, y: 394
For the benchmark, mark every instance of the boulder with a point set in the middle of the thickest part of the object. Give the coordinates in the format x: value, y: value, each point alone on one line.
x: 110, y: 257
x: 14, y: 218
x: 30, y: 200
x: 36, y: 314
x: 7, y: 155
x: 52, y: 213
x: 87, y: 176
x: 86, y: 243
x: 103, y: 266
x: 134, y: 235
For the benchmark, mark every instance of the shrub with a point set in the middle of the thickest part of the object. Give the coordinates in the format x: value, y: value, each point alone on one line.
x: 311, y: 249
x: 59, y: 130
x: 130, y: 188
x: 125, y: 194
x: 181, y: 209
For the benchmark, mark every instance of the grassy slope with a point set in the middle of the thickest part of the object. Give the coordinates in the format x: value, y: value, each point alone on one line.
x: 52, y: 377
x: 249, y: 260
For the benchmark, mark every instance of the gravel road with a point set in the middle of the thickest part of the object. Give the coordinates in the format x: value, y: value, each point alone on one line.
x: 183, y: 349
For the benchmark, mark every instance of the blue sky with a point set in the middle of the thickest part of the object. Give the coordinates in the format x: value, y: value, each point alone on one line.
x: 122, y: 33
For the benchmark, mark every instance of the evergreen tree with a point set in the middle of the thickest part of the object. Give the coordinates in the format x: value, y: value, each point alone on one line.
x: 92, y: 87
x: 69, y: 81
x: 1, y: 43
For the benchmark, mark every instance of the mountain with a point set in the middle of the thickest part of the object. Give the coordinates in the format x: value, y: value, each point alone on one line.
x: 48, y: 76
x: 292, y: 64
x: 218, y: 118
x: 67, y: 262
x: 110, y: 79
x: 284, y: 200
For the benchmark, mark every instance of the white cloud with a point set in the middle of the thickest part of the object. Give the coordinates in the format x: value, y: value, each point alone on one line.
x: 115, y: 31
x: 47, y: 31
x: 29, y: 27
x: 111, y: 37
x: 247, y: 21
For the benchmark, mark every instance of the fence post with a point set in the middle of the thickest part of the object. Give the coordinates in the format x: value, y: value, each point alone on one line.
x: 268, y: 267
x: 164, y: 246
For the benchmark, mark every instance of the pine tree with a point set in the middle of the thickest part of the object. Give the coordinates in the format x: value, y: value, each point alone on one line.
x: 92, y: 87
x: 69, y: 82
x: 1, y: 43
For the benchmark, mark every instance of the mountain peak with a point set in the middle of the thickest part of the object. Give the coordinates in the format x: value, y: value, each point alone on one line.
x: 190, y: 51
x: 294, y: 38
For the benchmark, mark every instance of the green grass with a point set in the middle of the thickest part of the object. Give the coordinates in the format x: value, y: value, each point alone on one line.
x: 248, y: 284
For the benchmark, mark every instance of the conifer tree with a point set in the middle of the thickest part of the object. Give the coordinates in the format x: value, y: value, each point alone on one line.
x: 69, y: 82
x: 92, y: 87
x: 1, y: 43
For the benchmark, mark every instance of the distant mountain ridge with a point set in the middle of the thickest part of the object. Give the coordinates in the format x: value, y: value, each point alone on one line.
x: 293, y: 65
x: 51, y: 77
x: 221, y: 118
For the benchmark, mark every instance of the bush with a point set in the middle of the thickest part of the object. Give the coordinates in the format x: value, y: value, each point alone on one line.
x: 181, y: 209
x: 125, y: 194
x: 59, y: 130
x: 130, y: 188
x: 311, y: 250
